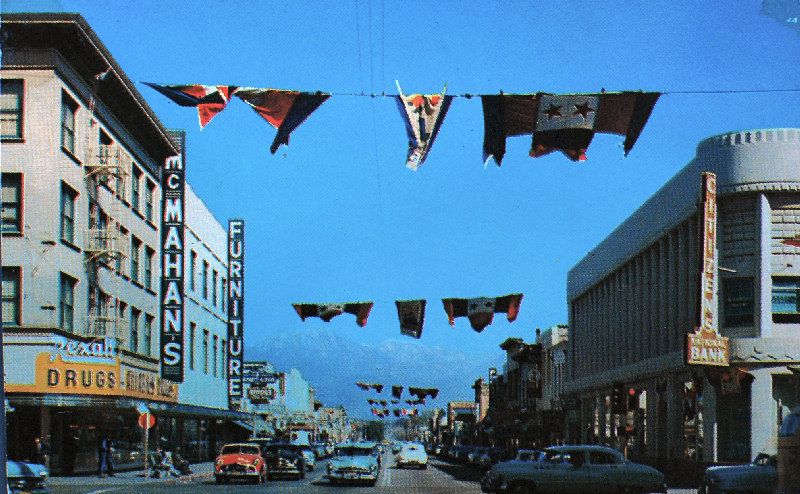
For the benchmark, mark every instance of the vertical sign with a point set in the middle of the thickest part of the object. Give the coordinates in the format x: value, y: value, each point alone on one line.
x: 173, y: 183
x: 235, y: 311
x: 706, y: 346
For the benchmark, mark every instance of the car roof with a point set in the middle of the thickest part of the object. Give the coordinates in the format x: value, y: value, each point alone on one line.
x: 356, y: 445
x: 584, y: 447
x: 241, y: 444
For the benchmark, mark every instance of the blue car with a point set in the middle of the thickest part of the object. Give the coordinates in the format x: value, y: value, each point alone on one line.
x: 26, y: 477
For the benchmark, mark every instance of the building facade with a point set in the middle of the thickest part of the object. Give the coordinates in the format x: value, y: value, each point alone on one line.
x: 550, y: 408
x: 81, y: 227
x: 634, y: 297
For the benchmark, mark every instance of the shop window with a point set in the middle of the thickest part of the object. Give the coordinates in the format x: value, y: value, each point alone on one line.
x: 785, y: 299
x: 11, y: 296
x: 68, y: 110
x: 12, y: 203
x: 223, y: 290
x: 737, y: 302
x: 66, y: 312
x: 68, y: 197
x: 11, y: 91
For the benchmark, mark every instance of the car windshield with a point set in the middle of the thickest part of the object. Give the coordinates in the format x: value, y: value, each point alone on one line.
x: 240, y: 448
x: 353, y: 451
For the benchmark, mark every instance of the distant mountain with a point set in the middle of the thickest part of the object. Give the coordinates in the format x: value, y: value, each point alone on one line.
x: 332, y: 365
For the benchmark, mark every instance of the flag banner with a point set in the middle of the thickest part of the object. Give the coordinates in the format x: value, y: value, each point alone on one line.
x: 396, y: 412
x: 377, y: 387
x: 209, y: 100
x: 363, y: 386
x: 370, y: 401
x: 397, y: 391
x: 411, y: 314
x: 284, y: 110
x: 326, y: 312
x: 563, y: 122
x: 395, y: 401
x: 481, y: 310
x: 423, y: 115
x: 383, y: 403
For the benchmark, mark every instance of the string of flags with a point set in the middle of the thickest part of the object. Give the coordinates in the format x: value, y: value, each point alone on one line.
x: 411, y: 313
x: 556, y: 122
x: 397, y: 392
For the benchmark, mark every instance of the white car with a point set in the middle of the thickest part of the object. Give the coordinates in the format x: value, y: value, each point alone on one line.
x: 412, y: 455
x: 309, y: 457
x: 354, y: 462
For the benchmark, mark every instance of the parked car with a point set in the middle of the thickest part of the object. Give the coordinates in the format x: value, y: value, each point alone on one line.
x: 26, y: 477
x: 354, y: 462
x: 320, y: 452
x: 491, y: 457
x: 759, y: 476
x: 284, y: 460
x: 412, y: 455
x: 396, y: 447
x: 240, y: 461
x: 474, y: 456
x: 573, y: 470
x: 308, y: 455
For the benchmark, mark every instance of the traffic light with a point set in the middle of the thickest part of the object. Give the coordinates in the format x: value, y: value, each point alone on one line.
x: 633, y: 399
x: 618, y: 399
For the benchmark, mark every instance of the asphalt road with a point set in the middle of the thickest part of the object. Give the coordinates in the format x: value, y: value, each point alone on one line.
x: 439, y: 478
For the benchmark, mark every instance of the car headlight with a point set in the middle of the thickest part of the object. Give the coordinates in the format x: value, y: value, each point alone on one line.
x: 219, y: 461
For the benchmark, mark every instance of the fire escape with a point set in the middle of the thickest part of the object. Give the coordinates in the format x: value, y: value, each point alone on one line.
x: 105, y: 247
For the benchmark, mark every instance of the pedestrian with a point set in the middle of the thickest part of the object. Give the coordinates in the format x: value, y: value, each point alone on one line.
x: 40, y: 451
x: 105, y: 460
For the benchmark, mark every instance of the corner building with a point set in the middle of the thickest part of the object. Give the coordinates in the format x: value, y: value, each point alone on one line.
x: 81, y: 220
x: 634, y: 297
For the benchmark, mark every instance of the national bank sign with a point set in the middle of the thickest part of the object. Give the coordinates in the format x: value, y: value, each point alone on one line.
x: 235, y: 311
x: 173, y: 212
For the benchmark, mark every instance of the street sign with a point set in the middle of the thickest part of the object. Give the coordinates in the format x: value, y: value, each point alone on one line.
x: 147, y: 420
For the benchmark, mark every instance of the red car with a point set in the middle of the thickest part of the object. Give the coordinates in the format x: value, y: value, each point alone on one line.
x: 240, y: 461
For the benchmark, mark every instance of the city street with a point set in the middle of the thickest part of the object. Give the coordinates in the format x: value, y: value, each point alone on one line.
x: 440, y: 478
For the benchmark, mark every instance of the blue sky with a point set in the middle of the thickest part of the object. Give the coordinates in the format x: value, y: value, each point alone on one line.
x: 336, y: 216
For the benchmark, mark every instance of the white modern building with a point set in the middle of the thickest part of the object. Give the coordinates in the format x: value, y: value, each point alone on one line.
x: 82, y: 155
x: 635, y: 296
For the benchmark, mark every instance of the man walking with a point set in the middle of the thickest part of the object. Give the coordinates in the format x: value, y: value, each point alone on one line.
x: 105, y: 460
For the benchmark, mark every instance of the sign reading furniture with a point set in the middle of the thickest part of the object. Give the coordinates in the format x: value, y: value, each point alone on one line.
x: 705, y: 346
x: 235, y: 311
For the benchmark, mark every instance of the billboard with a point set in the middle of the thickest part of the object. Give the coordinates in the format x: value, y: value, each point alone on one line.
x: 173, y: 212
x: 705, y: 346
x: 235, y: 311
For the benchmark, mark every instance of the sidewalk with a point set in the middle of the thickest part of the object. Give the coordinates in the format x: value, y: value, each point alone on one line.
x: 199, y: 471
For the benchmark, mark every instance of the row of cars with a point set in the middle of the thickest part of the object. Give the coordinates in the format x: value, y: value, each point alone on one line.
x: 588, y: 468
x: 262, y: 460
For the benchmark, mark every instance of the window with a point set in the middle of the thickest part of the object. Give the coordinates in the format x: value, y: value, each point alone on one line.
x: 148, y: 200
x: 136, y: 245
x: 11, y: 296
x: 68, y: 110
x: 785, y: 299
x: 223, y: 289
x: 122, y: 309
x: 192, y: 334
x: 11, y: 109
x: 148, y: 334
x: 149, y: 255
x: 205, y: 351
x: 136, y: 179
x: 224, y: 358
x: 737, y: 302
x: 133, y: 345
x: 214, y: 276
x: 122, y: 177
x: 12, y: 203
x: 68, y: 197
x: 205, y: 280
x: 66, y: 306
x: 123, y: 232
x: 216, y: 356
x: 192, y: 270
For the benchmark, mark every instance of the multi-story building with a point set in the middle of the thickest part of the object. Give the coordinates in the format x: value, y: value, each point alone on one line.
x: 634, y: 297
x: 333, y: 425
x: 550, y: 407
x: 81, y: 231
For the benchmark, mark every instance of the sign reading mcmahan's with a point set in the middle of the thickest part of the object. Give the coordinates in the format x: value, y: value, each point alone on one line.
x: 173, y: 209
x: 235, y: 310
